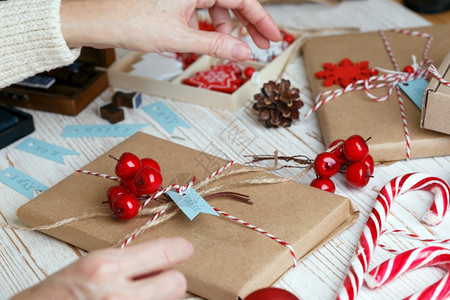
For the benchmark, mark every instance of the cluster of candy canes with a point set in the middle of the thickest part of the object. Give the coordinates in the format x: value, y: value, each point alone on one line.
x: 374, y: 226
x: 180, y: 189
x: 390, y: 80
x: 352, y: 156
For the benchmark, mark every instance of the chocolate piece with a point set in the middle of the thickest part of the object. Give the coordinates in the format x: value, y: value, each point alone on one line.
x: 131, y: 100
x: 112, y: 113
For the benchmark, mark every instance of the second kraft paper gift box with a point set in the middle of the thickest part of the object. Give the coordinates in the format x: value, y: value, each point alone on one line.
x: 230, y: 260
x: 355, y: 113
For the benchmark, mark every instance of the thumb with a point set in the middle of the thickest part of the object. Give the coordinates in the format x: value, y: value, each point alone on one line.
x: 215, y: 44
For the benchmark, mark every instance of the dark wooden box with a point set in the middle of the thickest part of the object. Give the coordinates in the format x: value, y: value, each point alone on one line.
x: 65, y: 96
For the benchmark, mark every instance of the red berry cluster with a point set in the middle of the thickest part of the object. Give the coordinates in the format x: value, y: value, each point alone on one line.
x: 351, y: 155
x: 137, y: 177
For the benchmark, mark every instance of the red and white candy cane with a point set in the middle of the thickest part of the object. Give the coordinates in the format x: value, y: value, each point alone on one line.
x: 374, y: 226
x: 411, y: 260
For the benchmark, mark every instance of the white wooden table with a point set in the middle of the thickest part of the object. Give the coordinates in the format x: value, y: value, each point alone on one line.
x: 29, y: 257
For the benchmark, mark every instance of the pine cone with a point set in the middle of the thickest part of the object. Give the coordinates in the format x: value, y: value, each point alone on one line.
x: 277, y: 104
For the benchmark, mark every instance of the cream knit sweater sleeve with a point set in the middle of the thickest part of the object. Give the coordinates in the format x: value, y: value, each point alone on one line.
x: 31, y: 40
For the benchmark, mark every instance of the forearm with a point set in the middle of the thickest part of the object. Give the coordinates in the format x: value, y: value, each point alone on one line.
x: 31, y: 39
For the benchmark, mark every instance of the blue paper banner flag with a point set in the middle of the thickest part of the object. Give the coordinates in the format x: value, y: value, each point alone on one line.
x: 102, y: 130
x: 165, y: 117
x: 45, y: 150
x: 415, y: 90
x: 21, y: 182
x: 191, y: 203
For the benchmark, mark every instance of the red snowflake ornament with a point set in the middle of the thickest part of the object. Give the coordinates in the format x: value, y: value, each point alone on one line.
x: 345, y: 73
x: 225, y: 78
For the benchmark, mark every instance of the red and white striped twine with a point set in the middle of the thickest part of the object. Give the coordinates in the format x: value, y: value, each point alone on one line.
x: 181, y: 189
x: 390, y: 80
x: 433, y: 71
x: 405, y: 123
x: 153, y: 219
x: 98, y: 174
x: 281, y: 242
x: 389, y: 50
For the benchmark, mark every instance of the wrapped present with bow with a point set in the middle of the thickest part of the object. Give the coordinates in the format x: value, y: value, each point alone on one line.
x: 238, y: 247
x: 363, y: 83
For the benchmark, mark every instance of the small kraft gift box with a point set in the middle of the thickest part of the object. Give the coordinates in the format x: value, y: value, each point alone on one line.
x: 436, y: 102
x: 66, y: 90
x: 230, y: 259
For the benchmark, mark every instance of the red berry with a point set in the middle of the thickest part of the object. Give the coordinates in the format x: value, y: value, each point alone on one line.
x: 127, y: 165
x: 148, y: 162
x: 335, y: 142
x: 324, y: 184
x: 125, y: 206
x: 115, y: 191
x: 130, y: 186
x: 339, y: 152
x: 326, y: 165
x: 248, y: 72
x: 288, y: 38
x: 357, y: 174
x: 148, y: 181
x: 408, y: 69
x: 355, y: 148
x: 271, y: 294
x: 368, y: 160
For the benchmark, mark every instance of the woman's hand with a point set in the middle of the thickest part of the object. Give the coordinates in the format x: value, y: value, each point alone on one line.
x: 165, y: 25
x: 136, y: 272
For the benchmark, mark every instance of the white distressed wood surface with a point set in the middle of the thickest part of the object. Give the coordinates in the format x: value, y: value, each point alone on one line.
x: 29, y: 257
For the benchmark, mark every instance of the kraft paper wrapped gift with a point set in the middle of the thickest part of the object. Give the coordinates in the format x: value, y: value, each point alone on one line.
x: 436, y: 102
x: 230, y: 260
x: 355, y: 113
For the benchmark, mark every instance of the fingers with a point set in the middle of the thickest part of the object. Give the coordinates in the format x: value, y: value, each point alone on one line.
x: 250, y: 12
x: 154, y: 256
x: 170, y: 284
x: 193, y: 21
x: 214, y: 44
x: 257, y: 37
x: 221, y: 19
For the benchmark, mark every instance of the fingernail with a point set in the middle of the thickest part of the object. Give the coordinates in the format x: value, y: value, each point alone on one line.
x: 240, y: 52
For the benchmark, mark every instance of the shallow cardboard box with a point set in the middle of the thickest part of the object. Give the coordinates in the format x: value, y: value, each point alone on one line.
x: 230, y: 260
x: 118, y: 75
x: 436, y: 102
